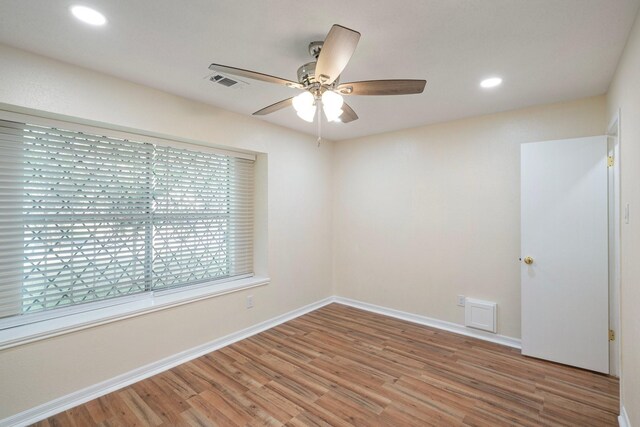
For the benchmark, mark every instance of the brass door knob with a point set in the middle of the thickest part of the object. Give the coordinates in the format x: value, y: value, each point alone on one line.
x: 528, y: 260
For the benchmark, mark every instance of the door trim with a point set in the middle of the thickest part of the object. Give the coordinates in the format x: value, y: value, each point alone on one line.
x: 613, y: 147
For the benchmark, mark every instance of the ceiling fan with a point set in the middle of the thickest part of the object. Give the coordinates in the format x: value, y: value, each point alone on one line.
x: 320, y: 80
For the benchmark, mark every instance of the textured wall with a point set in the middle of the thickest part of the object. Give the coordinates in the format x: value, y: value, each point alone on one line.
x: 425, y: 214
x: 298, y: 221
x: 624, y: 94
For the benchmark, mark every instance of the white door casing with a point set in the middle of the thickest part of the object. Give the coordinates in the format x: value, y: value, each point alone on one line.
x: 614, y: 244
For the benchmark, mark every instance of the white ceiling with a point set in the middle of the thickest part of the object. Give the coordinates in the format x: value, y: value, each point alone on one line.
x: 546, y: 50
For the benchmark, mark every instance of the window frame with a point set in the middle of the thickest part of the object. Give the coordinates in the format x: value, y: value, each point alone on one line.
x: 22, y: 329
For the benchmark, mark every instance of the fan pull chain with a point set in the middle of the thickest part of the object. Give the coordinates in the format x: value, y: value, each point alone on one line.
x: 319, y: 124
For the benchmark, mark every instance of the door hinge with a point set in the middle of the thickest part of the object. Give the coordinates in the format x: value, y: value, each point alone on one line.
x: 609, y: 161
x: 612, y: 335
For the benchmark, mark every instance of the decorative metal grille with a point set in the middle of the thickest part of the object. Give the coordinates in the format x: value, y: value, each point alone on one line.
x: 191, y: 217
x: 103, y: 217
x: 85, y: 213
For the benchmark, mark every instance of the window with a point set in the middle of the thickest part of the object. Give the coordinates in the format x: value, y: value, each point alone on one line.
x: 86, y: 218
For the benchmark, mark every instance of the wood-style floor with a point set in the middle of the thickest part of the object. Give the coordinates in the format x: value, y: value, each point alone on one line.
x: 339, y: 366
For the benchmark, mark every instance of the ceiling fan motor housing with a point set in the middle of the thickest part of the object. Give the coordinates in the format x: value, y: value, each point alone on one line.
x: 307, y: 74
x: 307, y: 77
x: 315, y: 48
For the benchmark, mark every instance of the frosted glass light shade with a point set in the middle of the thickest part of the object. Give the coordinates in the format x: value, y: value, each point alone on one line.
x: 337, y: 119
x: 304, y: 101
x: 307, y: 114
x: 304, y: 105
x: 332, y: 105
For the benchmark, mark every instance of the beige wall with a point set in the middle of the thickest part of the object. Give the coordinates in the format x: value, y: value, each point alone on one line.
x: 624, y: 94
x: 299, y: 229
x: 419, y: 216
x: 425, y: 214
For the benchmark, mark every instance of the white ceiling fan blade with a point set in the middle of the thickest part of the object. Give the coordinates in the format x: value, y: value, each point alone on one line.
x: 336, y: 51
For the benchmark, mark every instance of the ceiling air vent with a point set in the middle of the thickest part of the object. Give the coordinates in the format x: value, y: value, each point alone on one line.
x: 227, y: 81
x: 224, y: 81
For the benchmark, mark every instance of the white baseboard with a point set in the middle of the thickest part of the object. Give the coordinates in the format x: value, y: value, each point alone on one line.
x: 623, y: 419
x: 434, y: 323
x: 92, y: 392
x: 63, y: 403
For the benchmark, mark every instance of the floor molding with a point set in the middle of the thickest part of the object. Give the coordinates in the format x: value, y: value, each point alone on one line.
x: 63, y: 403
x: 434, y: 323
x: 623, y: 419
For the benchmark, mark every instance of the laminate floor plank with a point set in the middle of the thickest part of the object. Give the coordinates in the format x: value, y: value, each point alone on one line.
x: 340, y: 366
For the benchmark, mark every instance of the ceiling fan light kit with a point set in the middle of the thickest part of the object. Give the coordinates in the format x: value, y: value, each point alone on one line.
x: 320, y: 80
x: 332, y: 105
x: 305, y: 106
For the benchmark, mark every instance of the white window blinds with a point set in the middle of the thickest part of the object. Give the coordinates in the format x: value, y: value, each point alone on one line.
x: 86, y: 218
x: 203, y: 217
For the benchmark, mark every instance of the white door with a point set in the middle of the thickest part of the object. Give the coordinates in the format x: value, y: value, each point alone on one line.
x: 564, y: 232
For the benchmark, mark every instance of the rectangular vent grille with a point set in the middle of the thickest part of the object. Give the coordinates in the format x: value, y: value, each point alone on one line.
x: 224, y: 81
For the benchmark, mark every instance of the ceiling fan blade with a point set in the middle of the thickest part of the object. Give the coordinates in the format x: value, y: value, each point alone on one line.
x: 348, y: 115
x: 274, y: 107
x: 382, y: 87
x: 254, y: 75
x: 336, y: 51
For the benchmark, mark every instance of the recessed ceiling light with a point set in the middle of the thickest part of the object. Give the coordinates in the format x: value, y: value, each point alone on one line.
x: 492, y: 82
x: 88, y: 15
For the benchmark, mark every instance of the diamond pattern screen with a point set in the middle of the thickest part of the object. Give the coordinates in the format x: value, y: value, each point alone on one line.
x: 86, y: 218
x: 202, y: 212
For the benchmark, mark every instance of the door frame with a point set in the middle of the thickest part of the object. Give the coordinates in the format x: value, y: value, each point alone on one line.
x: 613, y: 149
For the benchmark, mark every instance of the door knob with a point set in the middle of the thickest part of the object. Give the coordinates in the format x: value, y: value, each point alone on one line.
x: 528, y: 260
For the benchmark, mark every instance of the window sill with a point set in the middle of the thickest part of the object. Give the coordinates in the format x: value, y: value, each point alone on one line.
x: 13, y: 336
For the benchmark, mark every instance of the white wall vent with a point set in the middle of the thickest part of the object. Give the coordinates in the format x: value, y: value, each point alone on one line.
x: 480, y: 314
